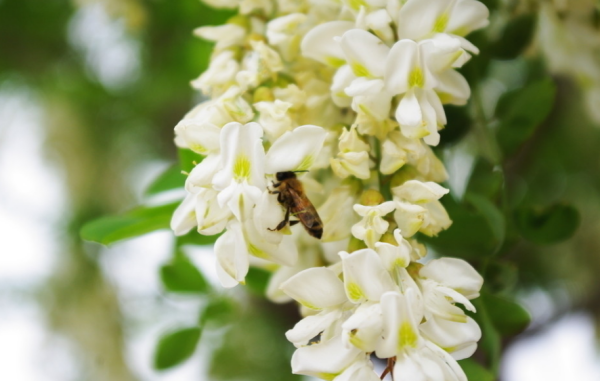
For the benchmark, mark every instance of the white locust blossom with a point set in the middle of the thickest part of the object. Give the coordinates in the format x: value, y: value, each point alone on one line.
x: 348, y: 95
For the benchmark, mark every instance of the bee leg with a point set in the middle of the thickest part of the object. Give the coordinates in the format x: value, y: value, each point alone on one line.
x: 282, y: 223
x: 292, y: 223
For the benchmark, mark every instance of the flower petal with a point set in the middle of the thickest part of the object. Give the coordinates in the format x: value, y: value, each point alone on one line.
x: 232, y: 257
x: 325, y: 360
x: 452, y: 336
x: 418, y: 19
x: 454, y: 273
x: 320, y: 44
x: 295, y: 150
x: 400, y: 330
x: 309, y: 327
x: 467, y: 16
x: 402, y: 60
x: 409, y: 112
x: 365, y: 53
x: 316, y: 288
x: 363, y: 329
x: 365, y: 277
x: 184, y: 217
x: 419, y: 192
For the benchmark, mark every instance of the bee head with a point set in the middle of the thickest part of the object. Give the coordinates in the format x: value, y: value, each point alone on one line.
x: 281, y: 176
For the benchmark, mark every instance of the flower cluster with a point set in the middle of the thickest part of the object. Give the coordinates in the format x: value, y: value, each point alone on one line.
x: 351, y: 94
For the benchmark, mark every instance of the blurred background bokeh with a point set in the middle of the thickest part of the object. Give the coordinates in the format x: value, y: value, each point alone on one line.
x: 90, y: 91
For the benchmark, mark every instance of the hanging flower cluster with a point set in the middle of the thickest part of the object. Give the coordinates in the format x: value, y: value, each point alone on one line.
x: 348, y: 96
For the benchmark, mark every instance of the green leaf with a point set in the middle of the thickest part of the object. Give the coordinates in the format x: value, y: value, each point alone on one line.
x: 476, y: 372
x: 183, y: 277
x: 459, y: 124
x: 188, y: 159
x: 547, y: 225
x: 486, y: 179
x: 491, y: 214
x: 219, y: 312
x: 508, y: 317
x: 139, y: 221
x: 176, y: 347
x: 490, y: 340
x: 476, y: 231
x: 515, y: 38
x: 501, y: 275
x: 172, y: 178
x: 521, y: 111
x: 257, y: 280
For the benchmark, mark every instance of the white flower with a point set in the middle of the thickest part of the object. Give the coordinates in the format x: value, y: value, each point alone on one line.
x: 295, y: 150
x: 317, y: 288
x: 372, y: 226
x: 361, y: 369
x: 393, y: 256
x: 353, y: 156
x: 429, y: 363
x: 241, y: 180
x: 398, y: 150
x: 210, y: 216
x: 282, y: 32
x: 274, y: 118
x: 418, y: 19
x: 225, y: 36
x: 457, y: 338
x: 326, y: 360
x: 418, y: 208
x: 320, y: 43
x: 407, y: 72
x: 447, y: 281
x: 232, y: 256
x: 365, y: 277
x: 184, y: 217
x: 400, y: 324
x: 337, y: 214
x: 199, y: 136
x: 220, y: 74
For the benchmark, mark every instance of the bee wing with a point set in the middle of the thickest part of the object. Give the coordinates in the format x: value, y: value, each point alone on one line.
x: 304, y: 210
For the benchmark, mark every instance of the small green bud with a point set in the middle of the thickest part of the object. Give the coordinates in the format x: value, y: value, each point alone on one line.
x: 413, y: 269
x: 389, y: 238
x: 402, y: 175
x: 263, y: 94
x: 240, y: 20
x: 371, y: 197
x: 356, y: 244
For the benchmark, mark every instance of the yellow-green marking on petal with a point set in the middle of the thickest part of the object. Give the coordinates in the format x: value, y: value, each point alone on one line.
x: 407, y: 337
x: 359, y: 70
x: 241, y: 167
x: 198, y: 148
x: 416, y: 78
x: 356, y: 4
x: 441, y: 23
x: 335, y: 62
x: 306, y: 163
x: 253, y: 250
x: 355, y: 293
x: 327, y: 376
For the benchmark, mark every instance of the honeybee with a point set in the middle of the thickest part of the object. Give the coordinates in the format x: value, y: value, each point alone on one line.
x: 290, y: 194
